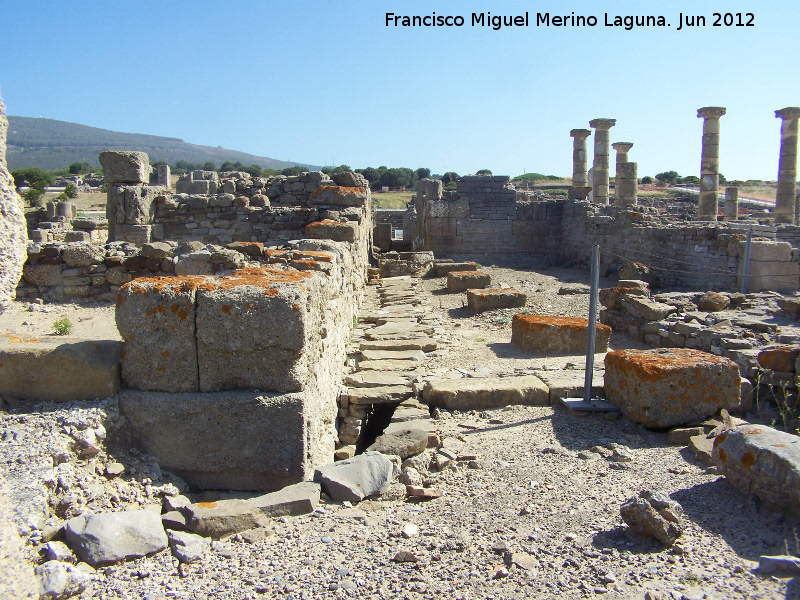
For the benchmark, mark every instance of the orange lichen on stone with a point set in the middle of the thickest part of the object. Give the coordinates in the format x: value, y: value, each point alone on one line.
x: 160, y: 369
x: 720, y: 439
x: 19, y: 340
x: 207, y: 504
x: 652, y: 366
x: 748, y: 458
x: 535, y: 322
x: 262, y: 277
x: 226, y: 308
x: 723, y: 456
x: 182, y: 314
x: 321, y: 256
x: 165, y: 354
x: 176, y: 284
x: 336, y: 189
x: 174, y: 308
x: 323, y: 223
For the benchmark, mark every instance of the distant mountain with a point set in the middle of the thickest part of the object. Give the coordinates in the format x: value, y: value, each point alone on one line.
x: 50, y: 144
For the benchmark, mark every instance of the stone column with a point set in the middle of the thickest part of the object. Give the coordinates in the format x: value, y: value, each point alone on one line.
x: 622, y: 149
x: 731, y: 203
x: 627, y: 185
x: 708, y: 203
x: 786, y: 210
x: 602, y: 143
x: 579, y: 189
x: 163, y: 175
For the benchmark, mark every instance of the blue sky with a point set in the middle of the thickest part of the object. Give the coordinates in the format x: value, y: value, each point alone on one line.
x: 329, y: 83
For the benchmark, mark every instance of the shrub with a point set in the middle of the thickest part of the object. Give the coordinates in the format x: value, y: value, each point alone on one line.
x: 71, y: 191
x: 62, y: 326
x: 647, y: 179
x: 34, y: 196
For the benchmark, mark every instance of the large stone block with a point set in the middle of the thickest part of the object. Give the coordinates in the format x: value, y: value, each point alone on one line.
x: 334, y: 195
x: 241, y: 440
x: 766, y: 251
x: 125, y: 166
x: 461, y: 281
x: 259, y: 329
x: 333, y: 230
x: 59, y: 370
x: 482, y: 393
x: 156, y: 318
x: 770, y: 276
x: 443, y: 268
x: 761, y: 461
x: 131, y: 204
x: 482, y: 300
x: 670, y: 387
x: 556, y: 335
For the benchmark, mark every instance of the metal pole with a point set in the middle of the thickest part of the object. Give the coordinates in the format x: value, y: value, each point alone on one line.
x: 746, y: 269
x: 592, y: 331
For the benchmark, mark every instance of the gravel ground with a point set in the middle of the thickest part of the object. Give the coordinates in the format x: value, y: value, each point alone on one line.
x: 534, y: 514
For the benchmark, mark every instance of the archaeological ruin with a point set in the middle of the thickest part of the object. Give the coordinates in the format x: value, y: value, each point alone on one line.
x: 285, y: 351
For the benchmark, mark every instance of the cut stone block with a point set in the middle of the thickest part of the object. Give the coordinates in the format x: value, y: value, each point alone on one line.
x: 223, y: 518
x: 412, y: 355
x: 779, y: 359
x: 763, y: 461
x: 374, y: 379
x: 156, y: 318
x: 255, y: 330
x: 767, y: 251
x: 669, y: 387
x: 332, y: 230
x: 568, y: 383
x: 482, y: 300
x: 424, y: 344
x: 410, y: 328
x: 556, y: 335
x: 478, y: 394
x: 299, y: 499
x: 770, y: 276
x: 125, y: 166
x: 231, y: 440
x: 461, y: 281
x: 379, y: 395
x: 60, y: 369
x: 443, y: 268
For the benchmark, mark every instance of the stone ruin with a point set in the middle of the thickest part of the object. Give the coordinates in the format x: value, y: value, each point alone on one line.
x: 236, y: 297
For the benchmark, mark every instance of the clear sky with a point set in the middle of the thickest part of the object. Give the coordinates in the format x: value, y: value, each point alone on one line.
x: 329, y: 83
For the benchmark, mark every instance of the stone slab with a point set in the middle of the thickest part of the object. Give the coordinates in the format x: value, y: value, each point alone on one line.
x: 408, y: 355
x: 388, y: 329
x: 665, y: 388
x: 443, y: 268
x: 490, y: 392
x: 425, y: 344
x: 54, y: 369
x: 387, y: 365
x: 568, y: 383
x: 107, y: 538
x: 379, y: 395
x: 356, y: 478
x: 374, y: 379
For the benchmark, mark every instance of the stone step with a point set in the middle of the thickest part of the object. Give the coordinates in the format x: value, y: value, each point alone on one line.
x: 398, y: 327
x: 408, y: 355
x: 379, y: 395
x: 389, y: 365
x: 411, y: 320
x: 410, y: 413
x: 490, y: 392
x: 374, y: 379
x: 411, y: 335
x: 425, y: 344
x: 404, y: 442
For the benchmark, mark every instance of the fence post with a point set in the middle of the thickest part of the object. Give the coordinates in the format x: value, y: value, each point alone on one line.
x: 592, y: 331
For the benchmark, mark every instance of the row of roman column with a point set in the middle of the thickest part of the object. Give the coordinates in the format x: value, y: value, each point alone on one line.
x: 787, y: 202
x: 626, y: 187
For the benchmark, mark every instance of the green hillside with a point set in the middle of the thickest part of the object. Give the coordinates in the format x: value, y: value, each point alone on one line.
x: 50, y: 144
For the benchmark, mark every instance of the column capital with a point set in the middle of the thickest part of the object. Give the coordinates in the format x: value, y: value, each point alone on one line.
x: 790, y: 112
x: 602, y: 123
x: 580, y: 134
x: 711, y: 112
x: 622, y: 146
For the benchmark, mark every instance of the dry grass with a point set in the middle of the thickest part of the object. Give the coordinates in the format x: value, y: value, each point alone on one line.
x: 391, y: 199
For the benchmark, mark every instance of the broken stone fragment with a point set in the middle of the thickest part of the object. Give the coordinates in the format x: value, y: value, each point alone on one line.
x: 299, y: 499
x: 356, y: 478
x: 406, y: 442
x: 654, y: 514
x: 188, y: 547
x: 219, y: 519
x: 60, y: 580
x: 107, y: 538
